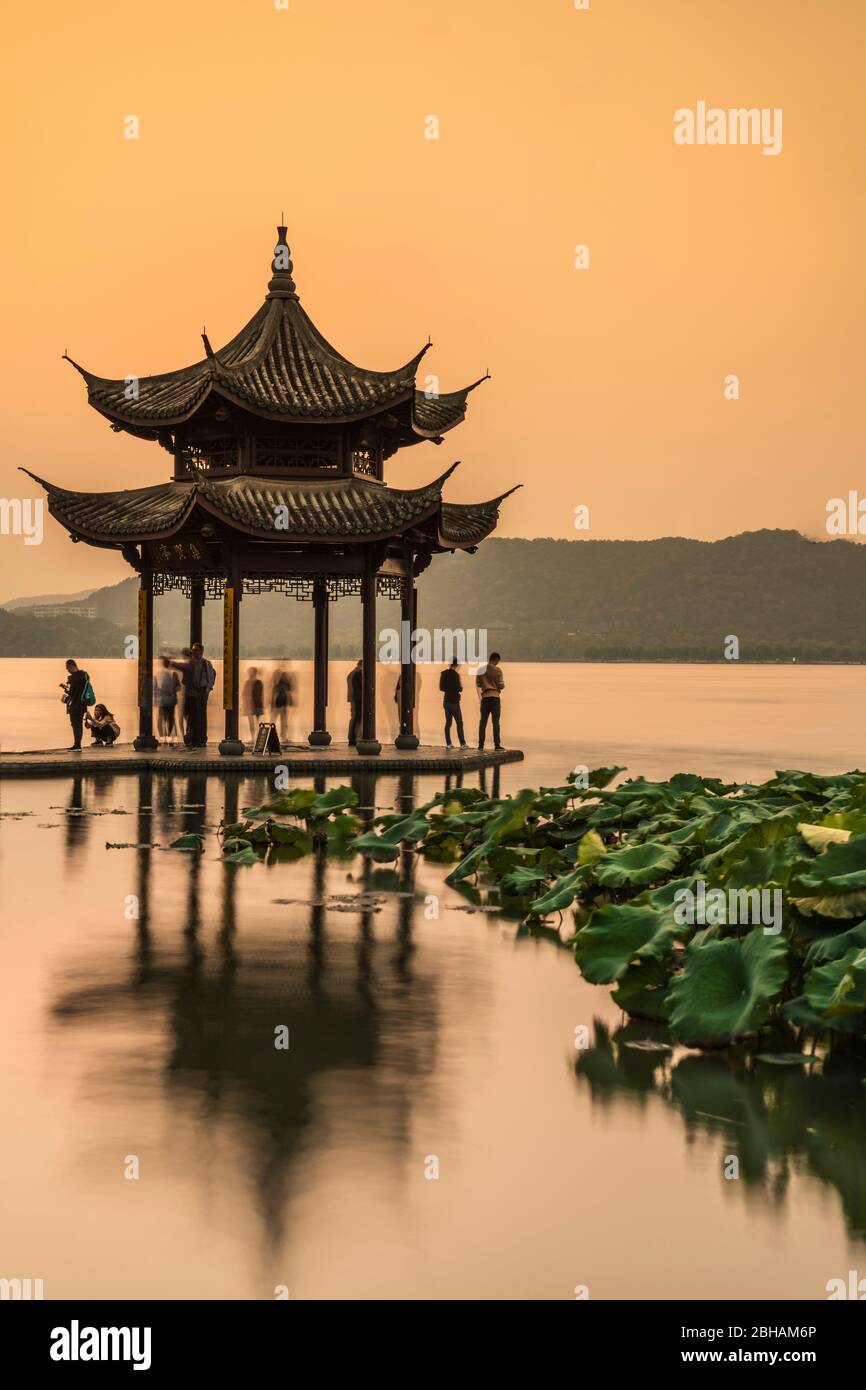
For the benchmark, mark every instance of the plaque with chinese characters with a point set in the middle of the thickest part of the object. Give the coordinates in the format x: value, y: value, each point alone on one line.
x: 180, y: 553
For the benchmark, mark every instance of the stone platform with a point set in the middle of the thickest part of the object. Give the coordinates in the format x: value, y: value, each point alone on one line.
x: 299, y: 759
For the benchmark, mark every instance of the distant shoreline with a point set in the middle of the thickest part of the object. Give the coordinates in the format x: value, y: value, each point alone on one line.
x: 507, y: 660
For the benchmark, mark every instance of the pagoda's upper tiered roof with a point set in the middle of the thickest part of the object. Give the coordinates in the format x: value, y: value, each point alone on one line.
x: 279, y: 367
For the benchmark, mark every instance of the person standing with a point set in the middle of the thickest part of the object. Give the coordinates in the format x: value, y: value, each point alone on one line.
x: 205, y: 678
x: 282, y: 700
x: 191, y: 702
x: 254, y: 700
x: 354, y: 692
x: 76, y: 706
x: 452, y: 689
x: 166, y: 684
x: 490, y: 683
x: 198, y: 678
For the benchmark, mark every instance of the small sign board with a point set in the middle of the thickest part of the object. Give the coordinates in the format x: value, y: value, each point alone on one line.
x: 266, y: 739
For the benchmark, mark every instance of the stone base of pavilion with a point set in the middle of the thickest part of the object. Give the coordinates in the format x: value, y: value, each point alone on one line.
x: 299, y: 759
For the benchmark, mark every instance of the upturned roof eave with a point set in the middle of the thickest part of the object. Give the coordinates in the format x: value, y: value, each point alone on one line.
x: 157, y: 422
x: 467, y: 508
x: 442, y: 429
x: 120, y: 538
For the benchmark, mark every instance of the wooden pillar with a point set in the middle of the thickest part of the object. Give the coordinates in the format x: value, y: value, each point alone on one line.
x: 407, y: 738
x: 145, y: 741
x: 231, y: 746
x: 144, y: 863
x: 319, y: 736
x: 196, y: 608
x: 368, y: 745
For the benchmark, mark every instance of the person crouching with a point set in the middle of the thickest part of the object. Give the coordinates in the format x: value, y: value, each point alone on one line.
x: 103, y: 726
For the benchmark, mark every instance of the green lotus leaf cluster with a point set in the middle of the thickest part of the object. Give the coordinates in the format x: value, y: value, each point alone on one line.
x: 290, y: 825
x: 779, y: 869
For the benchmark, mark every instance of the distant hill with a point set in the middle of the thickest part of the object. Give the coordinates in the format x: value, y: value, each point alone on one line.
x: 781, y: 595
x: 13, y: 603
x: 28, y: 636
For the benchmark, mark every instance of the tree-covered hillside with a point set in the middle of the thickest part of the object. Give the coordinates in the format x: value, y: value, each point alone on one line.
x: 781, y: 595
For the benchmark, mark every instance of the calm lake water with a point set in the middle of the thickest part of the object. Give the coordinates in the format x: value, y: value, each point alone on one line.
x: 410, y: 1038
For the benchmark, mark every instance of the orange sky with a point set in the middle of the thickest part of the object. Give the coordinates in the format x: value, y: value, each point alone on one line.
x: 556, y: 128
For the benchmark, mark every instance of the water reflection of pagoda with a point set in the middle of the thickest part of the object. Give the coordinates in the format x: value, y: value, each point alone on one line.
x: 279, y: 445
x: 344, y: 995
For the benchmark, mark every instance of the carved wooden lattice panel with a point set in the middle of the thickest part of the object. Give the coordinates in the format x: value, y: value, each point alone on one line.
x: 300, y: 586
x: 163, y: 582
x: 390, y: 585
x: 221, y: 453
x: 321, y: 455
x: 364, y: 462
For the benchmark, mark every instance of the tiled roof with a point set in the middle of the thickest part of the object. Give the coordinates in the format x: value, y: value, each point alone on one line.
x: 467, y: 523
x: 330, y: 508
x: 280, y: 367
x: 141, y: 511
x: 325, y: 509
x: 432, y: 416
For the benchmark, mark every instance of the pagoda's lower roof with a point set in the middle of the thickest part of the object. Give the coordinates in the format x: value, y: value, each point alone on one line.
x: 325, y: 510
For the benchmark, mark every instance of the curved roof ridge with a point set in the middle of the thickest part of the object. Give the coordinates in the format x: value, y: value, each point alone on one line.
x: 490, y: 502
x: 297, y: 308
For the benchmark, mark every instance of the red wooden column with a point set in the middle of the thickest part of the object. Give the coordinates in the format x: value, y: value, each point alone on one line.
x: 231, y: 746
x: 145, y: 741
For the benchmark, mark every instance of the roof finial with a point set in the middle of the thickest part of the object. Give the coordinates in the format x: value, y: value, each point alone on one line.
x: 281, y: 285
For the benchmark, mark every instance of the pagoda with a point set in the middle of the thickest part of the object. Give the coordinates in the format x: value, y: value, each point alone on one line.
x: 279, y: 445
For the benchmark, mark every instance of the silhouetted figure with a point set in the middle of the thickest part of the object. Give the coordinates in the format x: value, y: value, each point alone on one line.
x: 74, y: 687
x: 354, y: 693
x: 166, y: 684
x: 452, y: 689
x: 253, y: 700
x: 490, y: 683
x: 198, y: 677
x: 282, y: 700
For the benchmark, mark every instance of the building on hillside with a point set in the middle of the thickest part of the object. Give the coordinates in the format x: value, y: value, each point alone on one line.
x: 62, y: 610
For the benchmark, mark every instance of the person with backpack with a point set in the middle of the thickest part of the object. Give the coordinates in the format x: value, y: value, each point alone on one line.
x: 489, y: 682
x: 198, y: 677
x: 78, y: 694
x: 452, y: 688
